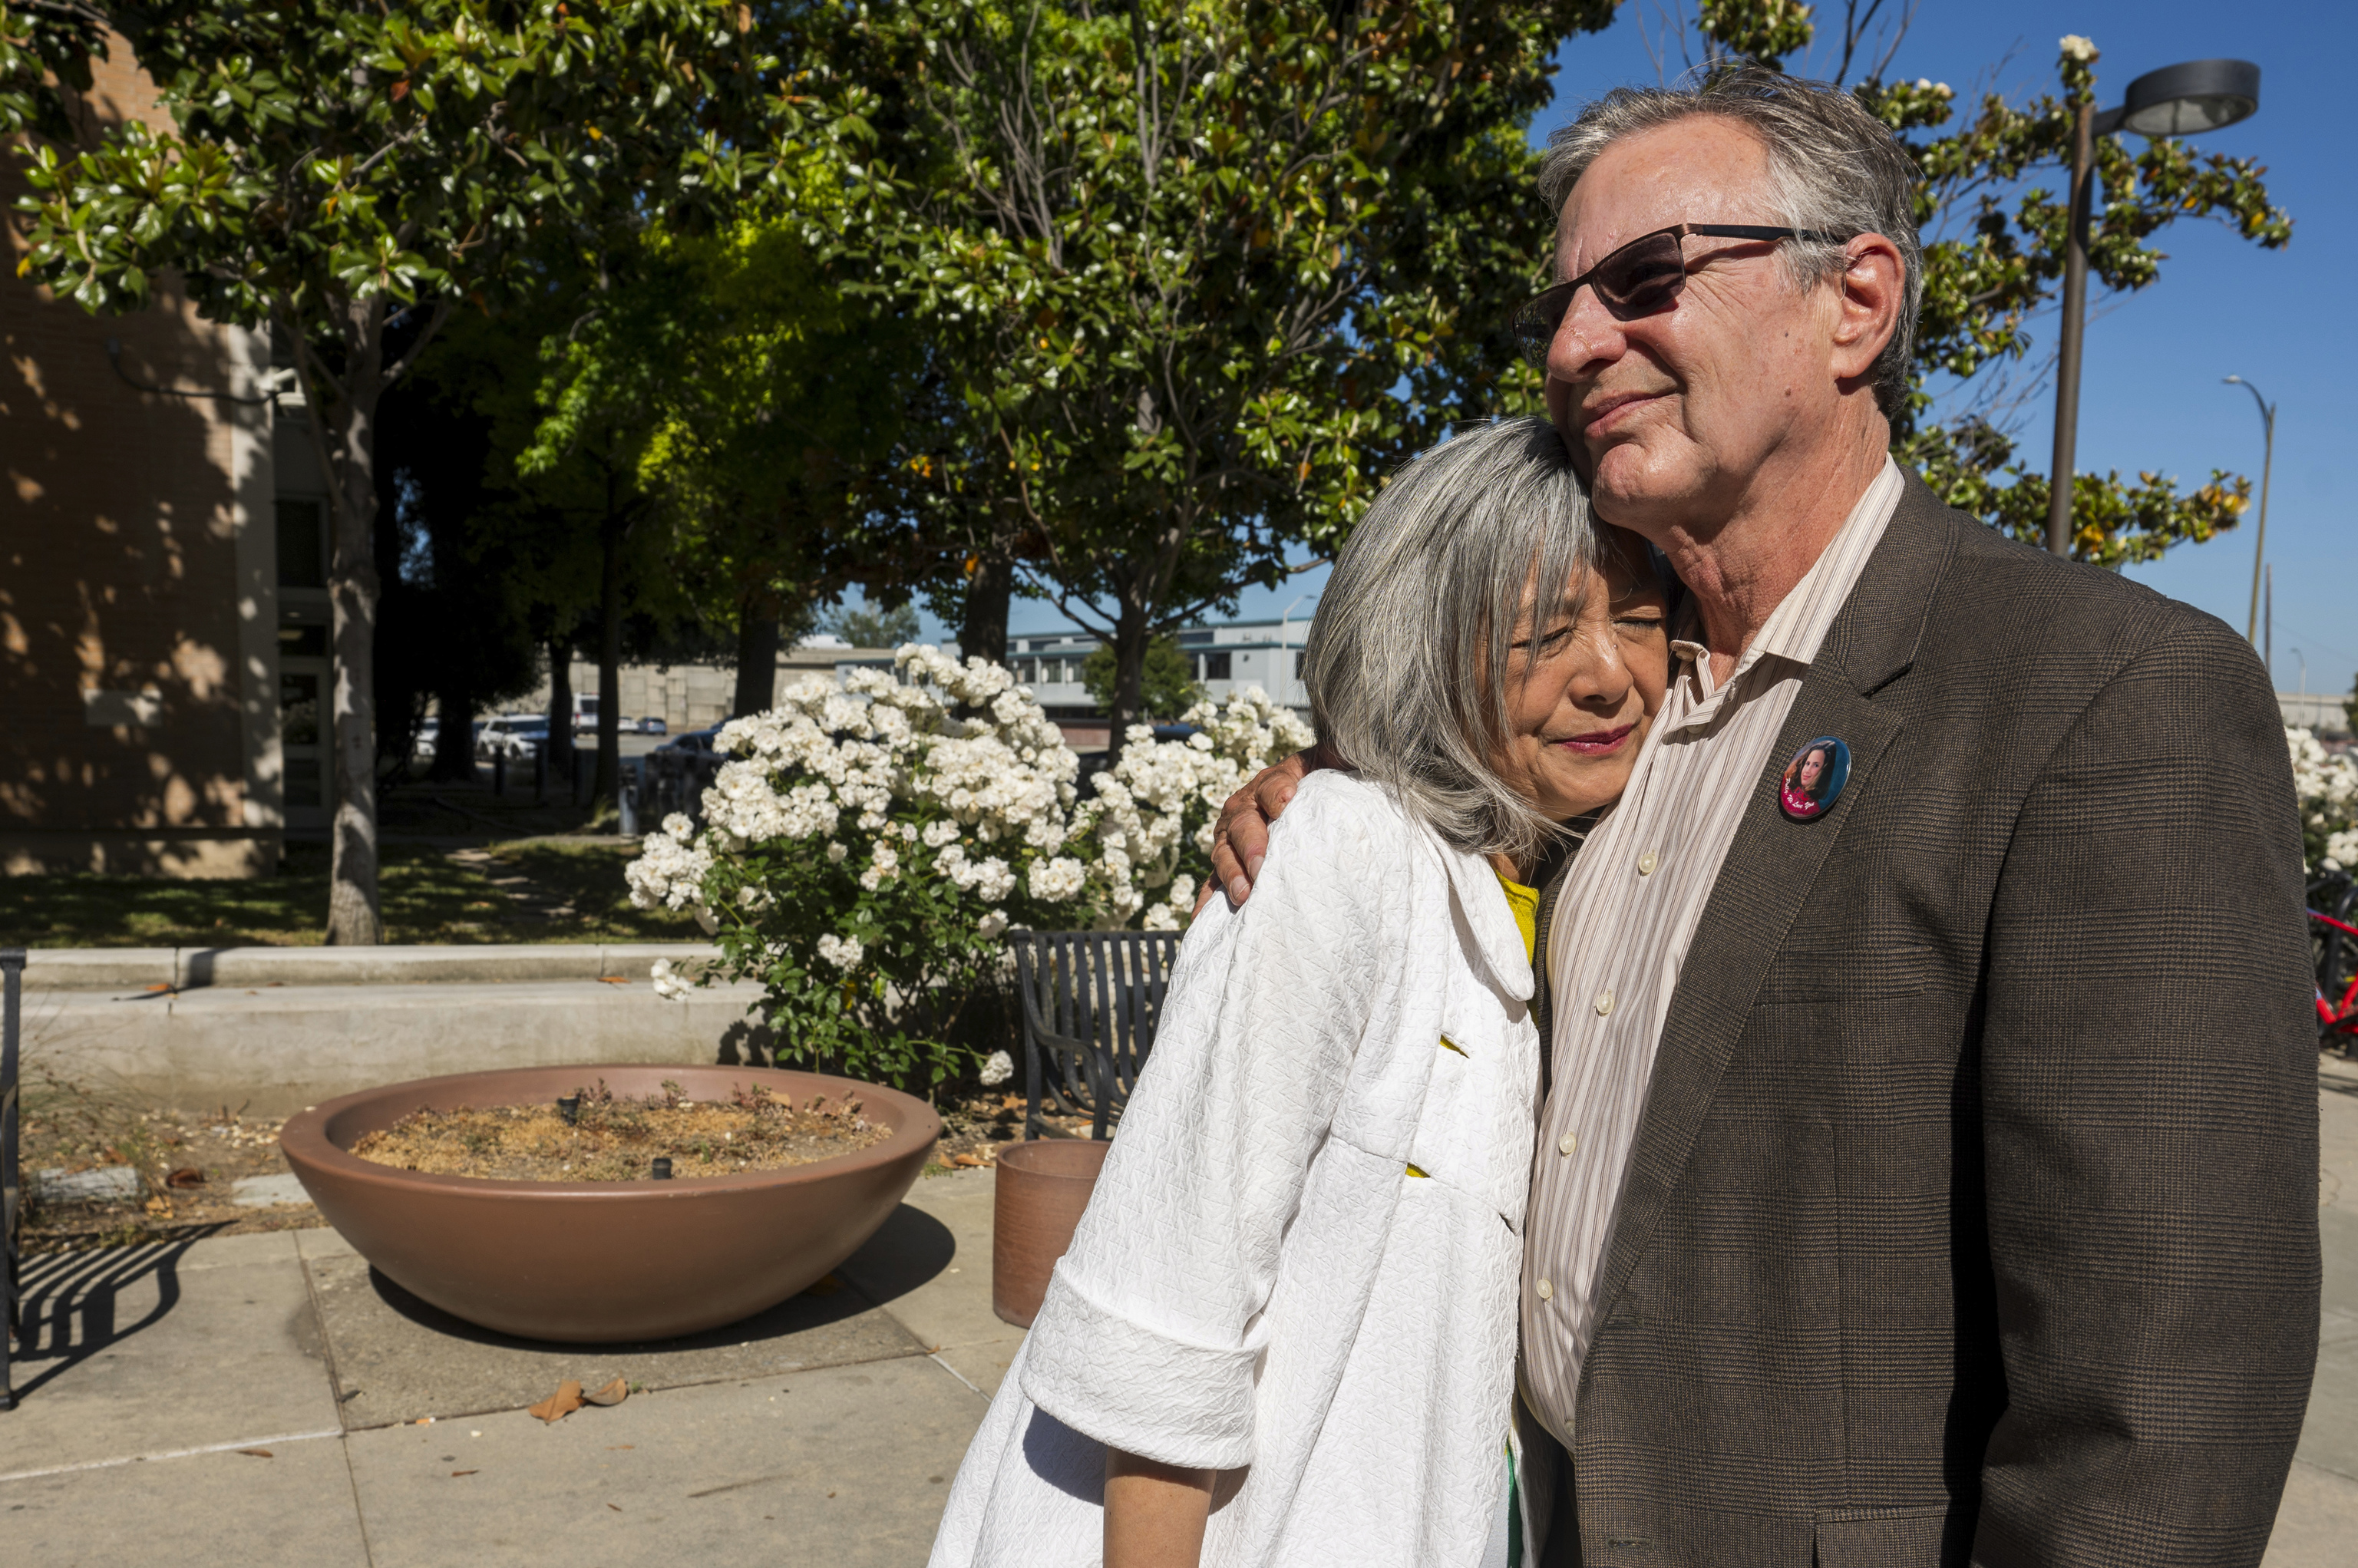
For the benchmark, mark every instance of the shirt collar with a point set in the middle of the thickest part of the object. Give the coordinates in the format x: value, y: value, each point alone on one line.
x: 1798, y: 626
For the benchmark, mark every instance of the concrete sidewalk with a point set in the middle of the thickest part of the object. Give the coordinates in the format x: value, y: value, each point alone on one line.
x: 263, y: 1400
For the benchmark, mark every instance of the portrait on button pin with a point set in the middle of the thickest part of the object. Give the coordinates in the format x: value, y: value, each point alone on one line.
x: 1814, y: 778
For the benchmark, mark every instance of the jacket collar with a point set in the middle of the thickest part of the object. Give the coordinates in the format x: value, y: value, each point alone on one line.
x: 1873, y: 642
x: 1488, y: 926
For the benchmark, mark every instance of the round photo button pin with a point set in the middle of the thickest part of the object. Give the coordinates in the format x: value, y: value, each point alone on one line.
x: 1813, y: 779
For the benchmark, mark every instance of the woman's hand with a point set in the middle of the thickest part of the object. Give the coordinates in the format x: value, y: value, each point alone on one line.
x: 1155, y: 1513
x: 1241, y: 839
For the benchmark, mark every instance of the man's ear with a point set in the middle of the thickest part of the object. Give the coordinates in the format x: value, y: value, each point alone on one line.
x: 1869, y: 295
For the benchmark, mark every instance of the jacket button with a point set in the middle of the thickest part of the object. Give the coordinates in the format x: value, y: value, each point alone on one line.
x: 1567, y: 1144
x: 1603, y: 1003
x: 1545, y: 1290
x: 1647, y: 862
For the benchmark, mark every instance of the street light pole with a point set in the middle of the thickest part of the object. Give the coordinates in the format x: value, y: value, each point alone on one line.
x: 2176, y: 100
x: 2268, y: 466
x: 2075, y: 322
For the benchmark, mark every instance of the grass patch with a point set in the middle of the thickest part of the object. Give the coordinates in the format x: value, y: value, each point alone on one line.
x: 532, y: 890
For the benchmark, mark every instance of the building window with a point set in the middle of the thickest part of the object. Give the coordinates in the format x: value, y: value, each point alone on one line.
x: 302, y: 545
x: 1214, y: 666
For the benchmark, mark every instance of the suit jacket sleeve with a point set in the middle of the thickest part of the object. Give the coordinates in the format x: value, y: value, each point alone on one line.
x: 2148, y: 1091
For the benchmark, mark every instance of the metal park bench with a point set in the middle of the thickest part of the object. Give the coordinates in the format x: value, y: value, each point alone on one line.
x: 12, y: 1185
x: 1091, y: 1002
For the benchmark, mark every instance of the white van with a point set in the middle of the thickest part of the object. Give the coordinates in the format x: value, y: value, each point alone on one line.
x: 585, y: 712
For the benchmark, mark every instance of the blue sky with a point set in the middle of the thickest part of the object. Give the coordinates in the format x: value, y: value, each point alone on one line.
x: 2151, y: 396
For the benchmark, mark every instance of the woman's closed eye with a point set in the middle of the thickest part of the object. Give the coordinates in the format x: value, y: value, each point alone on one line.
x: 1547, y: 643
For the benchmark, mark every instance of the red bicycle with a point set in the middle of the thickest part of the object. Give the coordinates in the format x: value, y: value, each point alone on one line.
x: 2333, y: 944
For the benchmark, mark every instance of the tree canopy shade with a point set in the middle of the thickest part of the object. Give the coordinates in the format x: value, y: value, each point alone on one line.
x: 335, y: 166
x: 1201, y: 273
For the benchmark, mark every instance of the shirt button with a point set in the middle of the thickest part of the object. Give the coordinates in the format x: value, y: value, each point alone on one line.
x: 1603, y: 1003
x: 1647, y: 862
x: 1567, y: 1144
x: 1546, y: 1292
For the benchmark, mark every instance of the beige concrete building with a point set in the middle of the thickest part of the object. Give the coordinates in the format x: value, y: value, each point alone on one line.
x: 151, y: 724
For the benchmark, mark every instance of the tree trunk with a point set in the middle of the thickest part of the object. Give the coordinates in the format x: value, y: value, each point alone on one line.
x: 989, y: 592
x: 608, y: 784
x: 346, y: 430
x: 1130, y: 641
x: 757, y: 655
x: 560, y: 706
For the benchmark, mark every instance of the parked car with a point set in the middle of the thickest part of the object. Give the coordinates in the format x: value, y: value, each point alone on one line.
x: 673, y: 777
x: 429, y: 735
x: 652, y: 725
x: 516, y: 735
x: 585, y: 712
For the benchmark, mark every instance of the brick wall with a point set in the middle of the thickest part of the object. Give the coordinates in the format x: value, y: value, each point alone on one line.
x: 137, y: 670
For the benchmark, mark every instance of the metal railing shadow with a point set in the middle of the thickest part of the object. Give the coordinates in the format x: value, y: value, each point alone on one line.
x: 69, y: 1305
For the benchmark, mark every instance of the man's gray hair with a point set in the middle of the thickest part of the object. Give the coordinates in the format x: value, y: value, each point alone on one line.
x: 1420, y: 614
x: 1832, y: 166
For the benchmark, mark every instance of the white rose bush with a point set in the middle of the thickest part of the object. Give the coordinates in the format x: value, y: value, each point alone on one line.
x: 1145, y: 832
x: 2327, y: 786
x: 866, y: 847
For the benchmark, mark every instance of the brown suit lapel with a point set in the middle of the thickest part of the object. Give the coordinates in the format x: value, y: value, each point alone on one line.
x: 1773, y: 861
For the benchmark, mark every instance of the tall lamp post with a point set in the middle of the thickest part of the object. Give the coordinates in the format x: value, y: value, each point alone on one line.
x: 2176, y: 100
x: 2267, y: 466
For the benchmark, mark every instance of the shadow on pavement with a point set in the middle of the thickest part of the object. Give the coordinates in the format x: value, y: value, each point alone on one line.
x: 69, y: 1302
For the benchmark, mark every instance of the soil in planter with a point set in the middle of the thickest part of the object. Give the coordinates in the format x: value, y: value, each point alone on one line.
x: 618, y: 1139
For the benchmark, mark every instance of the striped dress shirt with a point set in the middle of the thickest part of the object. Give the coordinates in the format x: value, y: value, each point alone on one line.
x: 1626, y: 915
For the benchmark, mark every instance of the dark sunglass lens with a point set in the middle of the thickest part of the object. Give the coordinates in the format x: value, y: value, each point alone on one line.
x: 1642, y: 278
x: 1536, y: 323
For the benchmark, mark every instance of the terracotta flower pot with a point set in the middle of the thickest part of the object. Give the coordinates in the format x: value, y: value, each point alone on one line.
x: 592, y: 1262
x: 1039, y: 1193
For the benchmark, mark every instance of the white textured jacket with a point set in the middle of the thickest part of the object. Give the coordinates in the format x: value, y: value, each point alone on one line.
x: 1299, y: 1262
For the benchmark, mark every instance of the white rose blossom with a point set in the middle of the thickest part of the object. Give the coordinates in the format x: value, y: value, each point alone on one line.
x: 2326, y: 785
x: 938, y: 784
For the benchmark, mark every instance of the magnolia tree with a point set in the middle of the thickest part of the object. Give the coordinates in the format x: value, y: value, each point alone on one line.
x: 2327, y: 783
x: 866, y: 846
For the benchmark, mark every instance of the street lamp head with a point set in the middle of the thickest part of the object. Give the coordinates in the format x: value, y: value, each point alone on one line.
x: 2185, y: 100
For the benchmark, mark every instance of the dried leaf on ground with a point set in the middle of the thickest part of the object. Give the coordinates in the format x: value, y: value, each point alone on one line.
x: 614, y: 1393
x: 456, y: 1473
x: 185, y: 1177
x: 258, y: 1453
x: 560, y: 1404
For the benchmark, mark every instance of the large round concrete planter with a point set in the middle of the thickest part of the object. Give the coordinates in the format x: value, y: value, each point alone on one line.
x: 1039, y: 1193
x: 594, y: 1262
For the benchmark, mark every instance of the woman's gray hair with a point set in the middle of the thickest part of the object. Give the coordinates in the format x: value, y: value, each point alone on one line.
x: 1832, y: 167
x: 1419, y: 616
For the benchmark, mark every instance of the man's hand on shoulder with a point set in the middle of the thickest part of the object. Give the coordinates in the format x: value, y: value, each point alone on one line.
x: 1241, y: 839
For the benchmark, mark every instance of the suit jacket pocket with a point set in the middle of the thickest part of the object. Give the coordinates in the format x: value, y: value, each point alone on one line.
x: 1892, y: 1538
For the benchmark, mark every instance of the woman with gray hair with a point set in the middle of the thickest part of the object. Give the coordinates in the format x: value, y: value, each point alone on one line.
x: 1285, y: 1330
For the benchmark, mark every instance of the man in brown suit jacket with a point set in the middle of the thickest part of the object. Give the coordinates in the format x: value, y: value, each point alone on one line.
x: 1965, y: 1206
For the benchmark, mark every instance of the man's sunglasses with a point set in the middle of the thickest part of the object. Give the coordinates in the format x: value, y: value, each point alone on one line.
x: 1636, y: 280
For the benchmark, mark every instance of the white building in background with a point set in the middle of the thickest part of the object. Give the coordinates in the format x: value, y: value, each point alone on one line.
x: 1224, y: 657
x: 2320, y: 713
